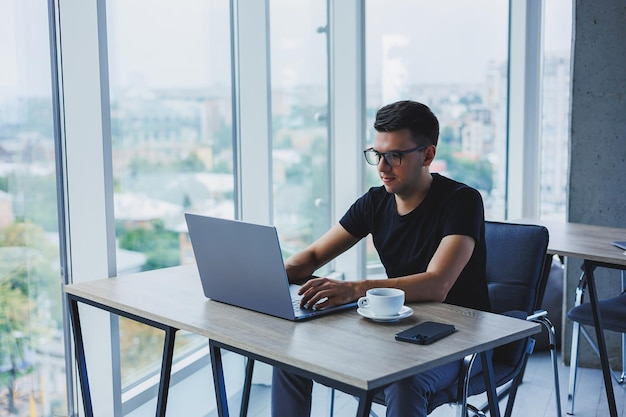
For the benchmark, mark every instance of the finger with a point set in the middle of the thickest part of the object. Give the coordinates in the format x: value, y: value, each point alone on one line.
x: 308, y: 285
x: 323, y: 303
x: 321, y: 298
x: 306, y: 297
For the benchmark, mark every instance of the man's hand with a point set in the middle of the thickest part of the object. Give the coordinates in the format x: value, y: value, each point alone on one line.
x: 320, y: 293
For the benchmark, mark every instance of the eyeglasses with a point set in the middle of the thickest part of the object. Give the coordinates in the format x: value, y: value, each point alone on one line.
x: 393, y: 159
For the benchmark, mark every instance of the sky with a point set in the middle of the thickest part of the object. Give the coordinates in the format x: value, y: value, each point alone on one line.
x: 186, y: 43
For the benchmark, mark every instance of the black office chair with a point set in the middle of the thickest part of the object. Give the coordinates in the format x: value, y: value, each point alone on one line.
x: 613, y: 314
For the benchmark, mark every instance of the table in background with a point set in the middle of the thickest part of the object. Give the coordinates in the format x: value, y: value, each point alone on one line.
x: 332, y: 349
x: 593, y: 245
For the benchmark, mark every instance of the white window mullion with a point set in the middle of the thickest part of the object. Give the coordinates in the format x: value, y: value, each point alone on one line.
x: 525, y: 60
x: 88, y: 198
x: 253, y: 109
x: 347, y: 106
x: 252, y: 98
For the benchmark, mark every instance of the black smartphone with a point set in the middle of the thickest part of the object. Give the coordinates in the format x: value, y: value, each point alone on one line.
x: 425, y: 333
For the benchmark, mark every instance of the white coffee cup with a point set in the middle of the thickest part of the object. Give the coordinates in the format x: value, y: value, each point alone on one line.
x: 382, y: 302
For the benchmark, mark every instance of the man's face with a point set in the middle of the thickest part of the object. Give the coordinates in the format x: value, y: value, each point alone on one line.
x: 402, y: 180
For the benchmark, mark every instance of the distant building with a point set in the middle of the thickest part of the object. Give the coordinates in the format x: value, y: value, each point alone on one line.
x: 138, y: 211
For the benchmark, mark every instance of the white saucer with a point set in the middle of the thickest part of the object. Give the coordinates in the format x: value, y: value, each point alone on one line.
x: 402, y: 314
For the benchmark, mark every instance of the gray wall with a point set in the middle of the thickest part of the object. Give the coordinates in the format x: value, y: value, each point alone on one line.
x: 597, y: 177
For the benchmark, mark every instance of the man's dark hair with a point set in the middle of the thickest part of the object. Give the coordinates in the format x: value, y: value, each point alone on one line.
x: 411, y: 115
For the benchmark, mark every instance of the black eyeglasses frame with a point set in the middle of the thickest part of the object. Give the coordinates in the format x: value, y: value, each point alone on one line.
x: 387, y: 155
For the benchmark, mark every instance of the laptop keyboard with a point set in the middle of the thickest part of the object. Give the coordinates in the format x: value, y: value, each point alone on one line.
x: 296, y: 306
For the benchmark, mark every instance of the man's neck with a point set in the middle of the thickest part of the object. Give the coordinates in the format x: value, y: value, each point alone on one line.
x: 406, y: 204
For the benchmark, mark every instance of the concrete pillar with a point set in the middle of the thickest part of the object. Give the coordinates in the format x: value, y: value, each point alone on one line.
x: 597, y: 178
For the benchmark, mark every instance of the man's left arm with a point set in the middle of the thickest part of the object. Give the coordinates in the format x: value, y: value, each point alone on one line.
x: 451, y: 256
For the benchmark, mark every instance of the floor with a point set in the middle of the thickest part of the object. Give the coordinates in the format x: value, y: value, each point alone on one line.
x: 535, y: 397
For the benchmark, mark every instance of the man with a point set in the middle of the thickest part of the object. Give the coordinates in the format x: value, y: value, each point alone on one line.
x: 429, y: 233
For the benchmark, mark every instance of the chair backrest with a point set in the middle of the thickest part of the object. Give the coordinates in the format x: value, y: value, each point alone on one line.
x: 517, y: 266
x: 517, y: 273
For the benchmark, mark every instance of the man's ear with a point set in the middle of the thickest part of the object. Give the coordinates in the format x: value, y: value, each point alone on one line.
x: 429, y: 154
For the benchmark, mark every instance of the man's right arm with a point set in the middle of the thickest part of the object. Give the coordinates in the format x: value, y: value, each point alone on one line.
x: 301, y: 265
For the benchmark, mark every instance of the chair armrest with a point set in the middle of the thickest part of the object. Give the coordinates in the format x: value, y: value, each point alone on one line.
x: 537, y: 315
x: 541, y: 317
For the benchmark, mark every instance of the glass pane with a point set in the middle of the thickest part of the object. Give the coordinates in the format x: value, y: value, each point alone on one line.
x: 555, y: 108
x: 32, y: 364
x: 301, y: 163
x: 171, y: 122
x: 451, y: 56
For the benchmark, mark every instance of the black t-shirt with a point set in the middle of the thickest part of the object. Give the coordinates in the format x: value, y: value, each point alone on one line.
x: 406, y: 244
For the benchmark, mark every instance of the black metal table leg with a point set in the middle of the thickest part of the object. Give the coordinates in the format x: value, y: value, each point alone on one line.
x: 365, y: 404
x: 80, y: 356
x: 166, y: 370
x: 166, y: 363
x: 247, y: 386
x: 218, y: 379
x: 597, y: 320
x: 492, y: 396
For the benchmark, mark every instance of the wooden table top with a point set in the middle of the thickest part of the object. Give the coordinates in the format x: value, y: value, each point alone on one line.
x: 583, y: 240
x: 344, y: 346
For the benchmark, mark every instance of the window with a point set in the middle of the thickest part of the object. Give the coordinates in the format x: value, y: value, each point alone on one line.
x: 171, y: 134
x: 555, y: 109
x: 32, y: 361
x: 300, y: 140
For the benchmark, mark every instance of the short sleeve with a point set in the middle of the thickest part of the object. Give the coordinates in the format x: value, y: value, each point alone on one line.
x: 356, y: 220
x: 465, y: 214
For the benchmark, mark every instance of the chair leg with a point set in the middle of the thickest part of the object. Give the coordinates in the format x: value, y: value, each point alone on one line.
x: 475, y: 411
x: 573, y: 368
x: 463, y: 386
x: 555, y: 365
x: 623, y: 376
x: 595, y: 348
x: 573, y: 365
x: 541, y: 316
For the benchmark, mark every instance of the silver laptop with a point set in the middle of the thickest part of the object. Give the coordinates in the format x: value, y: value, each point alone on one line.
x: 241, y: 264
